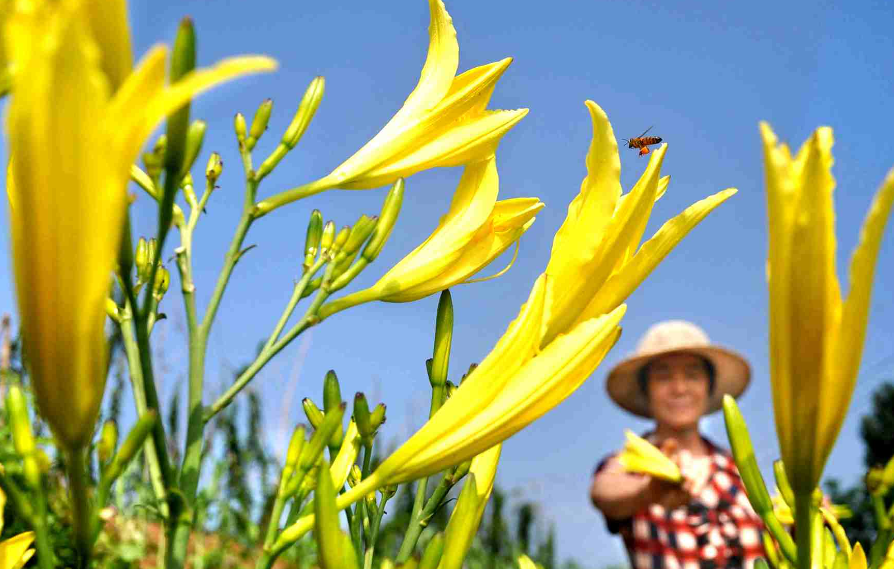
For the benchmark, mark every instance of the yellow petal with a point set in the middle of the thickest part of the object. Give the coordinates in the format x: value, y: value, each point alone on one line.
x: 466, y: 517
x: 589, y: 212
x: 468, y: 141
x: 110, y: 30
x: 66, y: 224
x: 622, y: 283
x: 14, y: 549
x: 590, y: 262
x: 347, y: 455
x: 858, y: 558
x: 855, y: 317
x: 525, y: 562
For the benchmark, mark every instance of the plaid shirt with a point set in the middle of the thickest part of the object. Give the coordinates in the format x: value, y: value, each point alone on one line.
x: 718, y: 529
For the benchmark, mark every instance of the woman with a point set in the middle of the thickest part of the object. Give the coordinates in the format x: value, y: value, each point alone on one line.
x: 676, y: 377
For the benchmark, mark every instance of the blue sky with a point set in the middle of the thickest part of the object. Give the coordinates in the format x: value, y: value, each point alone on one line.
x: 704, y: 73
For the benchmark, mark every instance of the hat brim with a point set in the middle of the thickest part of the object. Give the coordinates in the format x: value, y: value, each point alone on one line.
x: 732, y: 376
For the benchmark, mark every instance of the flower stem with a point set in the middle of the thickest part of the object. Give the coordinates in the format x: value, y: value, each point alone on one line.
x: 264, y: 207
x: 803, y: 533
x: 81, y: 511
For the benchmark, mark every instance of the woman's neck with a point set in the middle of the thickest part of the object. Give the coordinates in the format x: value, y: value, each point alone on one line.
x: 688, y: 438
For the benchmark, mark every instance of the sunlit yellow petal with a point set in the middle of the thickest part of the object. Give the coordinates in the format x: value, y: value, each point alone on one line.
x: 110, y: 30
x: 858, y: 558
x: 347, y: 455
x: 14, y: 549
x: 621, y: 284
x: 855, y: 318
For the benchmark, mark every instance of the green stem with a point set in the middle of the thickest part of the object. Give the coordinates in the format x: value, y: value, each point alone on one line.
x: 351, y: 300
x: 46, y: 558
x: 803, y: 533
x: 374, y: 534
x: 80, y: 499
x: 297, y: 293
x: 230, y: 260
x: 264, y: 207
x: 139, y: 395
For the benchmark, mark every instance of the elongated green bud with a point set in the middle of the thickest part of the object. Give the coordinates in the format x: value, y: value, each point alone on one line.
x: 359, y: 233
x: 108, y: 440
x: 331, y: 391
x: 340, y: 239
x: 162, y: 282
x: 785, y: 489
x: 443, y: 340
x: 240, y: 128
x: 259, y: 123
x: 306, y: 110
x: 195, y: 136
x: 433, y: 551
x: 743, y: 452
x: 377, y: 417
x: 314, y: 236
x: 362, y: 417
x: 327, y: 238
x: 313, y: 413
x: 189, y: 191
x: 326, y: 523
x: 141, y: 259
x: 154, y: 160
x: 214, y: 168
x: 183, y: 61
x: 355, y: 476
x: 22, y: 437
x: 461, y: 470
x: 313, y: 449
x: 296, y: 445
x: 132, y: 444
x: 387, y: 219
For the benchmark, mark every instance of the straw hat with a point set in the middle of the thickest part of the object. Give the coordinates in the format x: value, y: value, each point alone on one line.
x: 674, y: 336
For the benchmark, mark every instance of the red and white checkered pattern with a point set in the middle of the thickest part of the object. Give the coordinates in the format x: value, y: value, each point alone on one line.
x: 718, y: 529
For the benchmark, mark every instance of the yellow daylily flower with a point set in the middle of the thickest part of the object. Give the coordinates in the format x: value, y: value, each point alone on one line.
x: 469, y: 509
x: 525, y: 562
x: 474, y: 232
x: 857, y: 558
x: 603, y: 229
x: 785, y: 515
x: 444, y: 122
x: 641, y: 456
x: 15, y: 551
x: 816, y: 339
x: 73, y: 137
x: 545, y: 355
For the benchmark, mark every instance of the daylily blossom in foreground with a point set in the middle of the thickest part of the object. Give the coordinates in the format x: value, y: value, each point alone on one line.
x: 475, y: 231
x: 549, y: 350
x: 816, y: 339
x: 16, y: 550
x: 70, y: 163
x: 444, y: 122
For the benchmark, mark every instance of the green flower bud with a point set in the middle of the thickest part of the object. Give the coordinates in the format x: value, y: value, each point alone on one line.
x: 195, y: 136
x: 331, y: 391
x: 443, y: 340
x: 461, y: 470
x: 340, y: 239
x: 327, y: 238
x: 388, y: 491
x: 183, y: 61
x: 326, y: 524
x: 154, y: 160
x: 214, y: 168
x: 313, y: 413
x: 240, y: 128
x: 359, y: 233
x: 162, y: 282
x: 433, y: 551
x: 296, y: 445
x: 314, y: 235
x: 22, y: 437
x: 132, y: 444
x: 313, y: 449
x: 355, y: 476
x: 142, y: 258
x: 875, y: 484
x: 306, y: 110
x: 189, y: 191
x: 743, y: 452
x: 387, y: 219
x: 43, y: 460
x: 377, y: 417
x: 31, y: 471
x: 888, y: 475
x: 362, y: 417
x: 785, y: 489
x: 259, y: 123
x: 108, y: 440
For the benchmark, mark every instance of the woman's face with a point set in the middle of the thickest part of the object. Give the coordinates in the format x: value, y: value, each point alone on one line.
x: 678, y: 389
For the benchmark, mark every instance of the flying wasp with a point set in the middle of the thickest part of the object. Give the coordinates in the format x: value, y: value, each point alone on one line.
x: 642, y: 142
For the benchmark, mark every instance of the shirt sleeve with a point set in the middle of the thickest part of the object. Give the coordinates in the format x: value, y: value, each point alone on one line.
x: 614, y: 526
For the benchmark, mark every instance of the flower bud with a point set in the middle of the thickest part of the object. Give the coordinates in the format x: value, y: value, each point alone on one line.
x: 359, y: 233
x: 22, y: 437
x: 785, y: 489
x: 132, y: 444
x: 162, y: 282
x: 314, y: 236
x: 43, y: 460
x: 154, y: 160
x: 296, y: 445
x: 331, y: 391
x: 327, y: 238
x: 31, y: 471
x: 388, y: 491
x: 240, y: 128
x: 327, y: 529
x: 214, y: 168
x: 433, y: 551
x: 355, y: 476
x: 306, y: 110
x: 743, y: 452
x: 330, y: 425
x: 377, y: 417
x: 443, y: 340
x: 340, y: 239
x: 108, y: 440
x: 259, y: 123
x: 195, y: 136
x: 362, y: 418
x: 183, y: 61
x: 141, y: 259
x: 313, y: 413
x: 189, y: 191
x: 387, y: 219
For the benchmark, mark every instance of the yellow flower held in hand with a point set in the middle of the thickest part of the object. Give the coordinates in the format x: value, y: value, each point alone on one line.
x: 643, y: 457
x: 475, y: 231
x: 77, y: 120
x: 444, y: 122
x: 816, y: 339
